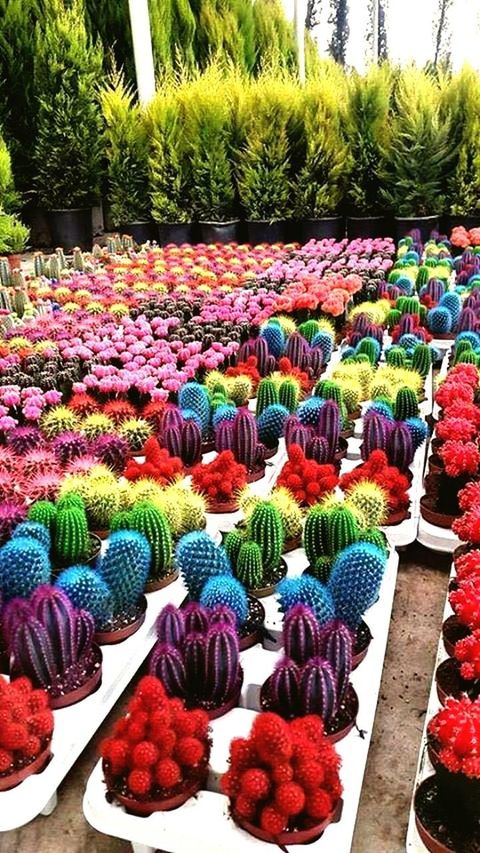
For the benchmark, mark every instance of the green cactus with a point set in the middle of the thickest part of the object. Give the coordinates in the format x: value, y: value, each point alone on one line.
x: 78, y: 261
x: 148, y: 520
x: 467, y: 358
x: 290, y: 512
x: 265, y: 528
x: 409, y: 305
x: 352, y: 395
x: 342, y: 529
x: 392, y: 319
x: 423, y: 277
x: 309, y: 329
x: 396, y: 357
x: 44, y: 512
x: 461, y: 348
x: 240, y: 389
x: 406, y: 404
x: 249, y: 567
x: 288, y: 394
x: 375, y: 537
x: 316, y: 534
x: 322, y: 568
x: 232, y: 543
x: 422, y: 359
x: 71, y: 540
x: 368, y: 347
x: 121, y: 521
x: 267, y: 395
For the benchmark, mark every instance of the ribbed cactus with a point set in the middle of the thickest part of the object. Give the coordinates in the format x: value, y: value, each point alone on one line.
x: 112, y: 451
x: 400, y: 448
x: 342, y: 529
x: 71, y: 541
x: 24, y: 565
x: 418, y: 430
x: 376, y: 537
x: 318, y: 448
x: 406, y: 404
x: 301, y: 634
x: 222, y: 663
x: 275, y: 338
x: 125, y: 567
x: 43, y: 512
x: 318, y: 690
x: 309, y: 329
x: 296, y: 349
x: 259, y: 348
x: 248, y: 565
x: 336, y: 646
x: 355, y: 581
x: 227, y: 591
x: 197, y: 618
x: 240, y: 389
x: 194, y: 659
x: 453, y: 303
x: 224, y: 412
x: 166, y: 663
x: 87, y: 590
x: 371, y: 501
x: 245, y: 439
x: 395, y: 356
x: 324, y: 342
x: 194, y: 396
x: 224, y: 435
x: 329, y: 424
x: 191, y: 447
x: 121, y: 521
x: 288, y: 394
x: 439, y: 321
x: 423, y: 277
x: 422, y: 359
x: 309, y: 591
x: 376, y: 429
x: 199, y: 558
x: 271, y: 424
x: 232, y: 543
x: 435, y: 288
x: 283, y: 687
x: 369, y: 347
x: 265, y: 528
x: 170, y: 626
x: 316, y: 534
x: 267, y: 395
x: 33, y: 530
x: 468, y: 320
x: 152, y: 523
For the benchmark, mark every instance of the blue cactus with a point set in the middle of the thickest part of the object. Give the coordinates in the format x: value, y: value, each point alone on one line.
x: 452, y: 302
x: 224, y: 412
x: 125, y: 567
x: 355, y: 580
x: 404, y: 284
x: 472, y: 337
x: 380, y: 407
x: 194, y: 397
x: 271, y: 423
x: 87, y: 590
x: 418, y: 430
x: 408, y: 342
x: 275, y: 338
x: 308, y: 411
x: 33, y: 530
x: 348, y: 352
x: 228, y: 591
x: 324, y: 341
x: 439, y: 321
x: 24, y: 565
x: 199, y: 558
x: 309, y: 591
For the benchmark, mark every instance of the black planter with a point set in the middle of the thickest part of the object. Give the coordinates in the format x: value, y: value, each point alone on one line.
x: 327, y: 227
x: 265, y: 232
x: 71, y: 228
x: 219, y: 232
x: 449, y: 221
x: 175, y: 232
x: 425, y: 224
x: 140, y: 232
x: 367, y: 226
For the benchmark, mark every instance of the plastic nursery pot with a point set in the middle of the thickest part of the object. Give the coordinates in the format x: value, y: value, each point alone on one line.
x: 161, y: 583
x: 273, y: 578
x: 208, y: 445
x: 452, y: 632
x: 451, y: 221
x: 271, y: 451
x: 363, y: 639
x: 294, y: 836
x: 71, y: 228
x: 122, y: 631
x: 439, y: 519
x: 216, y: 507
x: 463, y: 549
x: 435, y: 464
x: 327, y: 227
x: 367, y: 226
x: 430, y: 817
x: 174, y: 232
x: 219, y: 232
x: 14, y: 262
x: 337, y: 728
x: 143, y: 808
x: 265, y: 232
x: 397, y: 517
x: 90, y: 684
x: 215, y: 713
x: 292, y: 544
x: 448, y: 680
x: 404, y: 225
x: 11, y: 780
x: 140, y: 232
x: 256, y: 474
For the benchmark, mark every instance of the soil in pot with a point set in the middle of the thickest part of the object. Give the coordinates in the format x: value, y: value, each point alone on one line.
x: 123, y: 625
x: 257, y: 474
x: 175, y: 232
x: 25, y: 767
x: 404, y: 225
x: 363, y: 637
x: 159, y: 799
x: 265, y: 232
x: 450, y: 682
x: 270, y: 580
x: 443, y: 829
x: 292, y: 544
x: 452, y: 632
x: 160, y: 583
x: 327, y: 227
x: 219, y: 232
x: 71, y: 228
x: 337, y: 728
x: 78, y: 682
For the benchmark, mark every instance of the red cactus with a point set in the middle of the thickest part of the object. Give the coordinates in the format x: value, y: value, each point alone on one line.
x: 467, y: 527
x: 455, y: 730
x: 220, y: 480
x: 461, y: 429
x: 148, y: 750
x: 26, y: 723
x: 467, y: 653
x: 246, y: 368
x: 306, y: 479
x: 465, y: 601
x: 286, y: 367
x: 158, y: 465
x: 119, y: 411
x: 153, y: 413
x: 468, y: 565
x: 464, y: 410
x: 469, y: 496
x: 453, y: 390
x: 460, y: 458
x: 84, y: 404
x: 285, y: 775
x: 388, y: 477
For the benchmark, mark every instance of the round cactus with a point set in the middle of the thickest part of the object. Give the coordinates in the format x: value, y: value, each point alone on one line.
x: 33, y: 530
x: 227, y: 591
x: 43, y: 512
x: 24, y: 565
x: 87, y: 590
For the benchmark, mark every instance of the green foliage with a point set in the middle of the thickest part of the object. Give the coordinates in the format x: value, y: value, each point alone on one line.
x: 368, y: 107
x: 110, y: 22
x: 461, y: 108
x: 68, y: 150
x: 126, y: 141
x: 13, y: 235
x: 274, y: 36
x: 9, y: 198
x: 170, y: 178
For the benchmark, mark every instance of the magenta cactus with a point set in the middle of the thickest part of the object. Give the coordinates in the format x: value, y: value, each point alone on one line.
x: 24, y: 438
x: 336, y: 646
x: 111, y: 450
x: 69, y: 446
x: 318, y: 689
x: 184, y: 441
x: 284, y: 685
x: 400, y: 449
x: 170, y: 626
x: 329, y: 425
x: 301, y: 634
x: 376, y: 429
x: 246, y: 447
x: 197, y: 618
x: 11, y: 514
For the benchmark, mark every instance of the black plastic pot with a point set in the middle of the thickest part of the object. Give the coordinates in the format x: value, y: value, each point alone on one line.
x: 367, y: 226
x: 327, y: 227
x: 449, y: 221
x: 219, y: 232
x: 425, y: 224
x: 265, y: 232
x: 140, y: 232
x: 71, y: 228
x: 175, y: 232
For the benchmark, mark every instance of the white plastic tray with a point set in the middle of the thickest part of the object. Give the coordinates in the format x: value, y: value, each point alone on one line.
x: 424, y: 766
x: 430, y: 535
x: 440, y: 376
x: 203, y: 824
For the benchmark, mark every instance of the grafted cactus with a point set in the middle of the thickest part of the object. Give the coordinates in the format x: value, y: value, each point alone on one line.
x: 301, y: 634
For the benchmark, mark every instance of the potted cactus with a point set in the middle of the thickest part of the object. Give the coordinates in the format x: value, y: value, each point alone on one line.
x: 460, y: 463
x: 256, y: 552
x: 27, y: 727
x: 207, y: 574
x: 196, y: 657
x: 313, y: 675
x: 378, y: 490
x: 461, y: 673
x: 290, y: 514
x: 221, y: 481
x: 113, y: 592
x: 273, y: 794
x: 52, y: 643
x: 152, y: 523
x: 306, y: 479
x: 166, y: 767
x: 241, y: 437
x: 69, y: 539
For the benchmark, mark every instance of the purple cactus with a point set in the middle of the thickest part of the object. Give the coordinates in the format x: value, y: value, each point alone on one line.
x: 223, y: 436
x: 318, y: 690
x: 301, y: 634
x: 361, y: 324
x: 18, y: 611
x: 374, y: 331
x: 467, y: 321
x: 296, y: 349
x: 329, y: 425
x: 336, y: 646
x: 300, y: 435
x: 259, y: 348
x: 69, y: 446
x: 283, y: 687
x: 435, y: 289
x: 355, y: 338
x: 194, y: 658
x: 196, y: 618
x: 24, y: 438
x: 319, y: 449
x: 170, y: 626
x: 316, y: 362
x: 112, y: 450
x: 245, y: 438
x: 11, y: 514
x: 223, y: 614
x: 172, y: 440
x: 407, y: 324
x: 167, y: 664
x: 376, y: 429
x: 191, y: 449
x: 400, y: 449
x: 222, y: 666
x: 171, y: 417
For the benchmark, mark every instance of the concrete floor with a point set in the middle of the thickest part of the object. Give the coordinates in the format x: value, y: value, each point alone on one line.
x: 383, y: 815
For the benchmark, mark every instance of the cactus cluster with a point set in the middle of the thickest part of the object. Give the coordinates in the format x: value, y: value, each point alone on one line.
x: 282, y: 499
x: 196, y: 656
x: 327, y: 531
x: 184, y: 439
x: 255, y: 554
x: 316, y: 429
x: 240, y: 436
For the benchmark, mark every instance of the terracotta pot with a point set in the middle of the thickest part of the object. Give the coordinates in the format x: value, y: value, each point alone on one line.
x: 217, y: 507
x: 161, y: 583
x: 439, y: 519
x: 110, y: 638
x: 444, y: 691
x: 292, y: 544
x: 342, y: 449
x: 89, y: 686
x: 94, y: 551
x: 148, y: 807
x: 397, y: 517
x: 435, y: 464
x: 263, y: 591
x: 451, y: 628
x: 461, y: 550
x: 298, y: 836
x: 257, y: 474
x: 35, y: 766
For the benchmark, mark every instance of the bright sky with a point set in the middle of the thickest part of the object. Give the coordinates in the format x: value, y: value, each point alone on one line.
x: 410, y: 30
